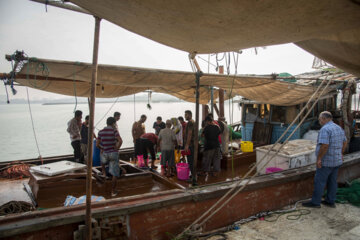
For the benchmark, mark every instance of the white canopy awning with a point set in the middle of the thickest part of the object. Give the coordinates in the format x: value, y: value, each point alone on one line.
x: 329, y: 29
x: 72, y: 78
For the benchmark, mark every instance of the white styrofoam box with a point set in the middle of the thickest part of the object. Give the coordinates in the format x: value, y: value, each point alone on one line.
x: 57, y: 168
x: 295, y: 153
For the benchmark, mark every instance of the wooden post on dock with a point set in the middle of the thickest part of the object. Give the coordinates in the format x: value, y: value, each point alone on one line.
x: 221, y: 97
x: 91, y: 129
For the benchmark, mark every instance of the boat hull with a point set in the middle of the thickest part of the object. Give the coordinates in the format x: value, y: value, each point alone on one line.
x: 165, y: 214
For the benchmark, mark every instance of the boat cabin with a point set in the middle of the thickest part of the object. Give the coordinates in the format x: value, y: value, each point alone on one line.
x: 265, y: 123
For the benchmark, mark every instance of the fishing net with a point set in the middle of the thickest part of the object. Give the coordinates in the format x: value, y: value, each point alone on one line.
x: 350, y: 194
x: 15, y: 170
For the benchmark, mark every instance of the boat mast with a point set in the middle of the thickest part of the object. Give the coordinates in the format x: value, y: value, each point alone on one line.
x: 91, y: 128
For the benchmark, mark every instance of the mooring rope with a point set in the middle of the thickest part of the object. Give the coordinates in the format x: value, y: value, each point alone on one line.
x: 195, y: 223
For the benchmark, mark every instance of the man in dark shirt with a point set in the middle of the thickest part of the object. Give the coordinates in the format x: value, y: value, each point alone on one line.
x: 183, y: 124
x: 84, y: 138
x: 189, y: 139
x: 158, y: 125
x: 117, y: 118
x: 211, y: 156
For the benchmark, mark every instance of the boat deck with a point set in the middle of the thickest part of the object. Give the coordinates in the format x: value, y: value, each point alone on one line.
x: 232, y: 168
x: 13, y: 190
x: 51, y: 191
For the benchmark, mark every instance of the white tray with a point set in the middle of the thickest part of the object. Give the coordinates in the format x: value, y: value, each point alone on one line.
x: 57, y: 168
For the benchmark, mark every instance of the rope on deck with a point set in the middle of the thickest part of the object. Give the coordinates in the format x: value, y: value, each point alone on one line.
x: 196, y: 226
x: 15, y: 207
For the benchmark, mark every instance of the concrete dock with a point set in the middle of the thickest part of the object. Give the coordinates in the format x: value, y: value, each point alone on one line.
x: 342, y: 222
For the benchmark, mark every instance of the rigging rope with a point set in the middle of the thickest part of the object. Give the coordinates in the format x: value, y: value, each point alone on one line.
x: 74, y: 85
x: 195, y: 223
x: 106, y: 112
x: 33, y: 127
x: 134, y: 109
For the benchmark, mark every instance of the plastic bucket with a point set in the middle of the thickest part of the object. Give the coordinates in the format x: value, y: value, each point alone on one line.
x: 183, y: 171
x: 273, y: 169
x: 96, y: 155
x: 140, y: 161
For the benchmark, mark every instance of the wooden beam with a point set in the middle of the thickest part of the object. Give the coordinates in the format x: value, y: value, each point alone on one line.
x: 91, y: 129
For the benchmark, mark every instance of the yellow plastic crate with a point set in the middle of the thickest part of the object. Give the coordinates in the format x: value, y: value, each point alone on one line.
x: 247, y: 146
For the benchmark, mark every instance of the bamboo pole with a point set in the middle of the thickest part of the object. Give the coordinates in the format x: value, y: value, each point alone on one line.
x: 91, y: 129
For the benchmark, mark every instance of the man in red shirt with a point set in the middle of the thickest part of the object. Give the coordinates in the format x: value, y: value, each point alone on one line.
x: 148, y: 142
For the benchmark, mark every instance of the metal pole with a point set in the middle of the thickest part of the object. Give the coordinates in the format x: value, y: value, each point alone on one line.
x: 212, y: 100
x: 196, y: 136
x: 91, y: 129
x: 221, y: 97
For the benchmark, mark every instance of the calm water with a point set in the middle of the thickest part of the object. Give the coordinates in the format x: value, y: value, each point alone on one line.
x: 17, y: 138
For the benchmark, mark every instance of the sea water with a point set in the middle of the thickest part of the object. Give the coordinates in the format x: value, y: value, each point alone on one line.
x: 17, y: 141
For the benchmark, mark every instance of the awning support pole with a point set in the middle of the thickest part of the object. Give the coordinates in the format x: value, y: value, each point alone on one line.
x: 91, y: 129
x: 221, y: 97
x: 196, y: 136
x: 212, y: 100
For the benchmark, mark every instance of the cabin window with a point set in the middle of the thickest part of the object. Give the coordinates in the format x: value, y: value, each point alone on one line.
x: 330, y: 104
x: 278, y: 114
x: 251, y: 111
x: 291, y: 113
x: 313, y: 112
x: 264, y: 111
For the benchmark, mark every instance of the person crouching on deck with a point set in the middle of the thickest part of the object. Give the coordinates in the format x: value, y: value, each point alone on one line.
x: 167, y: 142
x: 109, y: 142
x: 148, y: 142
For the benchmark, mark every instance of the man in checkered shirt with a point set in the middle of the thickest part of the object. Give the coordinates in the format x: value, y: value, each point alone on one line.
x: 331, y: 144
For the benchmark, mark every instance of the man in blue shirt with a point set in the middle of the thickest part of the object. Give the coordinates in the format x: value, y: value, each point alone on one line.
x: 330, y: 147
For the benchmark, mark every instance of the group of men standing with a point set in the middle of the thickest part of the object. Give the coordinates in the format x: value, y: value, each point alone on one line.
x: 331, y: 144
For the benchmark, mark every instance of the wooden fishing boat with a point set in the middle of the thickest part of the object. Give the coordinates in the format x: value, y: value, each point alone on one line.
x: 161, y: 207
x: 169, y: 209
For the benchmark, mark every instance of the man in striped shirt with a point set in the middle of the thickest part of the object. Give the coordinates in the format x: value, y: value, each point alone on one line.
x: 109, y: 142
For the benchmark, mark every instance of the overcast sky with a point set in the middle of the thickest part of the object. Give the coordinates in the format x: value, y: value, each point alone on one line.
x: 65, y: 35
